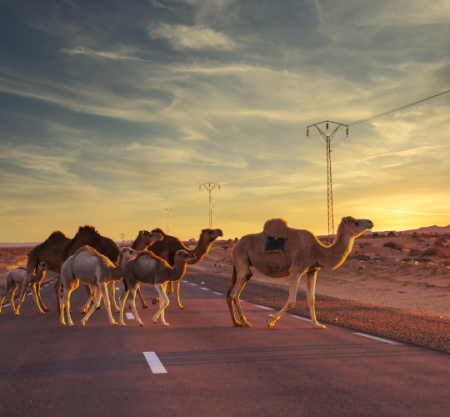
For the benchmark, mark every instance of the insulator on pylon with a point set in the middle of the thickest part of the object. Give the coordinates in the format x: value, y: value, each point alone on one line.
x: 347, y: 131
x: 327, y: 126
x: 307, y: 133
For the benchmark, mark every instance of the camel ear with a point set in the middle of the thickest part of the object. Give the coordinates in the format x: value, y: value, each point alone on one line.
x: 345, y: 220
x: 141, y: 232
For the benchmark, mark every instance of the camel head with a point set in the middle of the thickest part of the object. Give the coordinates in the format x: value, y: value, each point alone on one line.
x: 183, y: 256
x: 354, y: 227
x: 210, y: 235
x: 43, y: 266
x: 127, y: 253
x: 149, y: 237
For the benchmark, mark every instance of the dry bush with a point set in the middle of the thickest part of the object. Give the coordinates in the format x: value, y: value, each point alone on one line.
x: 394, y: 245
x: 446, y: 262
x: 435, y: 251
x: 414, y: 252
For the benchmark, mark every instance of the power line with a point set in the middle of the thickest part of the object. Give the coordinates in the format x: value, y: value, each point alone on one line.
x: 167, y: 211
x: 357, y: 122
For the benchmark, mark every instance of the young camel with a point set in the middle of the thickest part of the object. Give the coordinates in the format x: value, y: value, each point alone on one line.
x: 151, y: 269
x: 168, y: 247
x: 303, y: 253
x: 96, y: 270
x: 20, y: 277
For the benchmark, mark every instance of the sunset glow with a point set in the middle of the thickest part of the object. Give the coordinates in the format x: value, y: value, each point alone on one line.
x: 111, y: 112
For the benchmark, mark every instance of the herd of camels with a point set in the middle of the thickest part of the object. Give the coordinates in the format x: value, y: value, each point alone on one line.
x: 160, y: 260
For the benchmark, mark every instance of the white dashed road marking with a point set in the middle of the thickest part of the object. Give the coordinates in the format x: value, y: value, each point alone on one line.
x: 117, y: 289
x: 192, y: 283
x: 155, y: 364
x: 264, y: 307
x: 130, y: 316
x: 378, y: 338
x: 300, y: 318
x: 203, y: 288
x: 218, y: 293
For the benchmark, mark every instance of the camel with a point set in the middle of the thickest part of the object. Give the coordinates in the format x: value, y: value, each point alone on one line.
x: 151, y: 269
x: 302, y: 253
x: 48, y: 252
x: 168, y: 247
x: 21, y: 277
x: 87, y: 235
x: 94, y: 269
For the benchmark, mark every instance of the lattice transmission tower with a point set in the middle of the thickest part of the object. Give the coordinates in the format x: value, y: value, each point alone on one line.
x: 328, y: 134
x: 167, y: 211
x: 209, y: 186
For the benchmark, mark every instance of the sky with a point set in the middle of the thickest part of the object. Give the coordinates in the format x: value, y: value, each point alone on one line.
x: 111, y: 111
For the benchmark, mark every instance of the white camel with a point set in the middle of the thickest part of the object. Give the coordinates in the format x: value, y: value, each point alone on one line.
x: 92, y: 268
x: 21, y: 277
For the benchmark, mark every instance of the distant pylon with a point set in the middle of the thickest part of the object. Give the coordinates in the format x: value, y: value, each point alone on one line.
x: 209, y: 186
x: 167, y: 210
x: 328, y: 137
x: 123, y: 237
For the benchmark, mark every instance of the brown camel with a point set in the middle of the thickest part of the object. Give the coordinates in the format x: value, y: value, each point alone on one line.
x: 88, y: 236
x: 169, y: 245
x: 302, y: 253
x: 48, y: 252
x: 153, y: 270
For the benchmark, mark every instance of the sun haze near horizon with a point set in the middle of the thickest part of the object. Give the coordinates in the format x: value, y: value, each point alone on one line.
x: 112, y: 111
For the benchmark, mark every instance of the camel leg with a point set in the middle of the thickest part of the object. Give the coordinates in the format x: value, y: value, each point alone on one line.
x: 35, y: 297
x: 57, y: 288
x: 177, y: 293
x: 144, y: 304
x: 98, y: 298
x: 122, y: 300
x: 112, y: 289
x: 243, y: 276
x: 163, y: 303
x: 168, y: 292
x: 311, y: 298
x: 88, y: 303
x: 23, y: 292
x: 133, y: 305
x: 294, y: 279
x: 67, y: 294
x: 107, y: 303
x: 41, y: 303
x: 3, y: 296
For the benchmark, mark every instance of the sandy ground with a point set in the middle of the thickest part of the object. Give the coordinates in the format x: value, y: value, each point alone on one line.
x: 384, y: 279
x: 11, y: 258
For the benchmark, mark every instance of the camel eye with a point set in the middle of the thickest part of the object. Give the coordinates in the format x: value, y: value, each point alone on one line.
x: 356, y: 223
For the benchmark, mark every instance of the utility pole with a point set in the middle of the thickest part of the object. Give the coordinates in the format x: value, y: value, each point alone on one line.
x: 328, y: 134
x: 209, y: 186
x: 123, y: 237
x: 167, y: 211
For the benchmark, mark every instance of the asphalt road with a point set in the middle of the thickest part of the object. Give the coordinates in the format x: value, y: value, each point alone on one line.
x: 211, y: 368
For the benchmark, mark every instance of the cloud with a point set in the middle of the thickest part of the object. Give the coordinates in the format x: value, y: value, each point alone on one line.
x: 193, y: 37
x: 80, y: 50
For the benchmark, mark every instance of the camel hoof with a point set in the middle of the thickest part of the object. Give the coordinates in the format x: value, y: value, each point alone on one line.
x: 72, y: 325
x: 17, y: 314
x: 140, y: 323
x: 155, y: 301
x: 46, y: 310
x: 99, y: 308
x: 83, y: 322
x: 270, y: 321
x: 165, y: 324
x: 154, y: 321
x: 123, y: 324
x: 144, y: 306
x: 181, y: 308
x: 114, y: 323
x: 319, y: 326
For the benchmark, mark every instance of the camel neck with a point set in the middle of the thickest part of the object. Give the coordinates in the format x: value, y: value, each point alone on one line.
x: 39, y: 276
x: 117, y: 271
x: 333, y: 256
x: 200, y: 251
x: 177, y: 271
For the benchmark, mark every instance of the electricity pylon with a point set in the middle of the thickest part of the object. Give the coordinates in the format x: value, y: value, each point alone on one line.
x: 123, y: 237
x: 328, y: 137
x: 167, y: 211
x: 209, y: 186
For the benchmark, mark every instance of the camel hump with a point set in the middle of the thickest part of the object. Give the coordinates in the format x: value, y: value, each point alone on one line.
x: 277, y: 228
